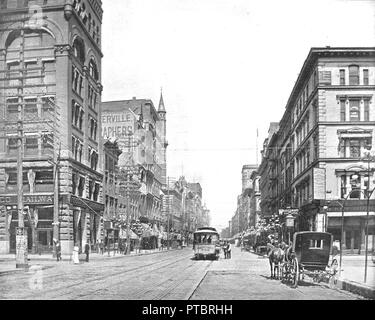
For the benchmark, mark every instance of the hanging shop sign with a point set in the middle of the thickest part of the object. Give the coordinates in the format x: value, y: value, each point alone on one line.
x: 319, y: 184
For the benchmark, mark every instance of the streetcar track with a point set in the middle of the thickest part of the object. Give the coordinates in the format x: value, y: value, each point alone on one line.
x: 199, y: 283
x: 101, y: 277
x: 142, y: 291
x: 139, y: 273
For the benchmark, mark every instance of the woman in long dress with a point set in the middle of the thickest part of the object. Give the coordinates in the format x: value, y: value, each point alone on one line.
x: 75, y: 255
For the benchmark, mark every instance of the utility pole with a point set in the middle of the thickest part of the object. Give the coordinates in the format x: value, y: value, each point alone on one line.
x: 21, y: 234
x: 128, y: 171
x: 168, y: 217
x: 56, y: 222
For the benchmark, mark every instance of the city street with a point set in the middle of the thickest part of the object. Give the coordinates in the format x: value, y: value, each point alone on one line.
x: 161, y: 276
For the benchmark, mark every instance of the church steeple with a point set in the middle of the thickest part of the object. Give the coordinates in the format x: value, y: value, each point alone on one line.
x: 161, y: 103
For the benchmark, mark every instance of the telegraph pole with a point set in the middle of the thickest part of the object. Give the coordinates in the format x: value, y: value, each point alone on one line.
x: 168, y: 217
x: 21, y: 234
x: 56, y: 222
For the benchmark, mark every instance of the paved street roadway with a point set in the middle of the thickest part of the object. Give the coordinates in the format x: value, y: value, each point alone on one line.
x: 167, y: 275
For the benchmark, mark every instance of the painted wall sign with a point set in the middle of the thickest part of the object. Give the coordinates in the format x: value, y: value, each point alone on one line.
x: 27, y: 199
x: 117, y: 125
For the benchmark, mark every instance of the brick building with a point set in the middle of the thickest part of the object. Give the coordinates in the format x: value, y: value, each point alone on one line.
x: 62, y: 58
x: 316, y: 159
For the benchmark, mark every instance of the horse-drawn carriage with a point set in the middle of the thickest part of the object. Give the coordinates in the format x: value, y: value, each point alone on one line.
x: 309, y: 255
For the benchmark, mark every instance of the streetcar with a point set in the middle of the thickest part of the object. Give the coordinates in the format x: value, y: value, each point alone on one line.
x: 206, y: 243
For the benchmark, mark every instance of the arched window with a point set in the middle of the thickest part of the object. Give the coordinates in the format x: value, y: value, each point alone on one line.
x: 79, y: 49
x: 97, y: 34
x: 93, y: 70
x: 34, y: 38
x: 90, y: 22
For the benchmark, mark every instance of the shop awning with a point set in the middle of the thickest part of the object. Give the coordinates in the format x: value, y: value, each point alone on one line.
x: 124, y: 235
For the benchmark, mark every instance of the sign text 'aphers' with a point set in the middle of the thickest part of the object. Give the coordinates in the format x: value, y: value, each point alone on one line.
x: 117, y: 125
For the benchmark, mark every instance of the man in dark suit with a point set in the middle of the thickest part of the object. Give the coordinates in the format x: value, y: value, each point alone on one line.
x: 87, y: 251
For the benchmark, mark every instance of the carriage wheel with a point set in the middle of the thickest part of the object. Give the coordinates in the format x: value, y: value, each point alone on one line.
x: 294, y: 272
x: 284, y: 272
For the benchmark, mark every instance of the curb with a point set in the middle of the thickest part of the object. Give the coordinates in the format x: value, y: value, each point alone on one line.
x: 6, y: 272
x: 357, y: 288
x: 12, y: 271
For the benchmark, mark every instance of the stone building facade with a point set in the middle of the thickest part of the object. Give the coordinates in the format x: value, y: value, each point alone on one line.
x: 114, y: 201
x: 255, y: 212
x: 61, y: 94
x: 140, y: 131
x: 241, y: 218
x: 322, y: 141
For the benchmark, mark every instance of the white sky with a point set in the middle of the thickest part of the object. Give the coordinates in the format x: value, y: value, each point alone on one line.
x: 226, y: 67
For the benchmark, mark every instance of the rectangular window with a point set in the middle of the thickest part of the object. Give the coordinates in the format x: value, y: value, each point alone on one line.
x: 366, y: 104
x: 343, y: 186
x: 32, y: 73
x: 354, y: 110
x: 353, y: 75
x: 365, y: 77
x: 12, y: 145
x: 342, y: 110
x: 355, y: 184
x: 49, y: 73
x: 355, y: 148
x: 47, y: 142
x: 31, y: 146
x: 81, y: 186
x: 325, y: 77
x: 48, y: 106
x: 342, y: 148
x: 31, y: 109
x: 13, y: 74
x: 12, y: 109
x: 342, y: 77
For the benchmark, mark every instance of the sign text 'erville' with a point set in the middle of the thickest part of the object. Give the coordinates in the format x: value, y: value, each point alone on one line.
x: 117, y: 125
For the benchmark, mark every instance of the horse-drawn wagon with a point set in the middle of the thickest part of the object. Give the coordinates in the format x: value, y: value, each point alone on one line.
x: 309, y: 255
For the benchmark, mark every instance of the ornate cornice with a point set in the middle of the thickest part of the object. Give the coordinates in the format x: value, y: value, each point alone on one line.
x: 63, y: 49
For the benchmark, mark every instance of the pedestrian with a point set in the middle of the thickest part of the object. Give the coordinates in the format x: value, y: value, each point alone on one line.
x: 58, y: 250
x: 87, y: 251
x: 101, y: 247
x: 229, y: 251
x: 225, y: 250
x: 75, y: 256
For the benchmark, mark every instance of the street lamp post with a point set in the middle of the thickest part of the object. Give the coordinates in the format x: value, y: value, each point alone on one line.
x: 369, y: 158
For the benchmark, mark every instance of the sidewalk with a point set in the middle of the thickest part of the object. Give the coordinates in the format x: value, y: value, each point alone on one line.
x: 352, y: 275
x: 8, y: 263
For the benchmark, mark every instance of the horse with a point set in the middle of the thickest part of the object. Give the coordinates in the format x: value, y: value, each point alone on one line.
x: 276, y: 258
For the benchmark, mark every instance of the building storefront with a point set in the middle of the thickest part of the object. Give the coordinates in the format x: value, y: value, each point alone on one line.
x: 87, y: 222
x: 354, y: 230
x: 38, y: 219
